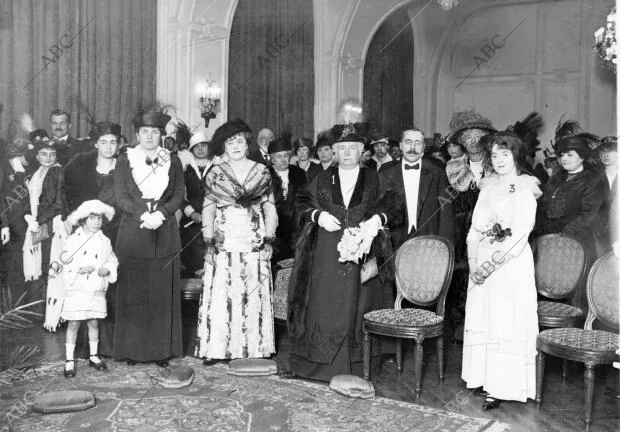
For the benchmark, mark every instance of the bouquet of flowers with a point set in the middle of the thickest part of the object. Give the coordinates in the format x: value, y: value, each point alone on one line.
x: 497, y: 233
x: 354, y: 244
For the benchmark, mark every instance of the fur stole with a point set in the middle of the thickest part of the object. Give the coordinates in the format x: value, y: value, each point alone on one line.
x: 460, y: 175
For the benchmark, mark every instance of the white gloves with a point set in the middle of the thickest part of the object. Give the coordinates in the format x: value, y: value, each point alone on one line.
x: 329, y: 222
x: 5, y: 235
x: 372, y: 225
x: 152, y: 221
x: 33, y: 225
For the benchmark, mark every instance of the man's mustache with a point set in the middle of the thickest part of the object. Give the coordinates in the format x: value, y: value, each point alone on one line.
x: 412, y: 152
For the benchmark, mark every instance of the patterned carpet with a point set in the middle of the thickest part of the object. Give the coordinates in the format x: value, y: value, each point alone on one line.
x: 129, y: 399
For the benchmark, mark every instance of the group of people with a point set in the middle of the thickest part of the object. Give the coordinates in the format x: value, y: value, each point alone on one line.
x: 110, y: 231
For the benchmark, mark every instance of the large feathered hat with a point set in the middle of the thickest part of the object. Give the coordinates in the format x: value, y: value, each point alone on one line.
x: 183, y: 136
x: 528, y: 130
x: 154, y: 115
x: 227, y: 130
x: 90, y: 207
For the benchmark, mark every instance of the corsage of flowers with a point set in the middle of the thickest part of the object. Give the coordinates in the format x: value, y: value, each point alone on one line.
x: 497, y: 233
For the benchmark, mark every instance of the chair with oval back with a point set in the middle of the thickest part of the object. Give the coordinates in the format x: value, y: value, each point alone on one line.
x: 424, y: 268
x: 591, y: 347
x: 560, y: 265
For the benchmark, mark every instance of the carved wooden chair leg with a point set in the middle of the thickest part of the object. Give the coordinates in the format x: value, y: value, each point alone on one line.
x: 540, y: 374
x: 399, y: 356
x: 588, y: 377
x: 418, y: 356
x: 440, y: 356
x: 367, y: 346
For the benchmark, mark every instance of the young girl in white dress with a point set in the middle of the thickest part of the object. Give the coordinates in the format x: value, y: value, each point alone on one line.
x: 501, y: 321
x: 89, y: 267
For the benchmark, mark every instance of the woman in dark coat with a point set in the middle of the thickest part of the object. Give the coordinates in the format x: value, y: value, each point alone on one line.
x: 303, y: 150
x: 90, y: 176
x: 149, y: 187
x: 194, y: 248
x: 14, y: 206
x: 573, y: 196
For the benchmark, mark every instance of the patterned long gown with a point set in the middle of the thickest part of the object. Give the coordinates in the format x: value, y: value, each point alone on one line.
x: 235, y: 319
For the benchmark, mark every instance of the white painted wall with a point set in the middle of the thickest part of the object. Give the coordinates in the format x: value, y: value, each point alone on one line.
x: 547, y: 64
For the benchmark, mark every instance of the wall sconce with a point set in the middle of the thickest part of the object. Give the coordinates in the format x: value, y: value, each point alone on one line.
x: 209, y: 98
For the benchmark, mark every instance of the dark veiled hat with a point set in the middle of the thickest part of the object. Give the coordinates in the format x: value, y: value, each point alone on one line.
x: 227, y: 130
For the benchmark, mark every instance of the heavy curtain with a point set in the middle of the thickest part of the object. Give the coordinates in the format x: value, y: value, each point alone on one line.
x: 388, y: 76
x: 271, y: 66
x: 93, y: 58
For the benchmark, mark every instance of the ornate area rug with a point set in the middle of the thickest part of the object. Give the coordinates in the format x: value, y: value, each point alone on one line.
x: 129, y: 399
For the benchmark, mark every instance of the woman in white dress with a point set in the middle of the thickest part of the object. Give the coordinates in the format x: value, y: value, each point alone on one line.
x: 239, y: 220
x: 501, y: 322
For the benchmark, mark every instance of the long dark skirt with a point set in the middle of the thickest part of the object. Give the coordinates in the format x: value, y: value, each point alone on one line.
x: 148, y: 323
x: 332, y: 344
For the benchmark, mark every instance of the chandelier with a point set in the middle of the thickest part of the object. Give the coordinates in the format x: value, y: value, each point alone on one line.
x: 605, y: 42
x: 448, y: 4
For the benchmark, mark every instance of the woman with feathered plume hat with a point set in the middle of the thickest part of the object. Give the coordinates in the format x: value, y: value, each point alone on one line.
x: 149, y: 187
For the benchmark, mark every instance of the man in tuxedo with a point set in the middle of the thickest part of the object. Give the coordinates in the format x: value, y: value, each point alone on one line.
x: 286, y: 181
x: 67, y: 147
x: 261, y: 154
x: 422, y: 190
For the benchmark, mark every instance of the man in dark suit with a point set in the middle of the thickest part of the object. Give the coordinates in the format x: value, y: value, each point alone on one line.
x: 286, y: 181
x: 261, y: 154
x: 67, y: 147
x: 424, y: 194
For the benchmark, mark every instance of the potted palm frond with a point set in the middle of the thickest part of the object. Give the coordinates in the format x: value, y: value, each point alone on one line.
x: 16, y: 316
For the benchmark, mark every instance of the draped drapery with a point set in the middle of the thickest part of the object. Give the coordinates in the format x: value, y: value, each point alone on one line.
x: 271, y: 66
x: 388, y: 76
x: 92, y: 58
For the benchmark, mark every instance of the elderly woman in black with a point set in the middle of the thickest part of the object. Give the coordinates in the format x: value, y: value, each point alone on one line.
x: 90, y: 176
x: 573, y: 196
x: 149, y: 187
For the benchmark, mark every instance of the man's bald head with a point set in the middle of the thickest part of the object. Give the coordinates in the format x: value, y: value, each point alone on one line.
x: 265, y: 136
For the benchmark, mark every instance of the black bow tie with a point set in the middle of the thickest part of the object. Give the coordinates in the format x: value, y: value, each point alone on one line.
x: 150, y: 161
x: 416, y: 166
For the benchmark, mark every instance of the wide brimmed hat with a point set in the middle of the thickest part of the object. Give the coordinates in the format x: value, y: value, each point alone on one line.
x: 577, y: 143
x: 227, y: 130
x: 466, y: 120
x: 197, y: 138
x: 104, y: 128
x: 153, y: 119
x: 91, y: 207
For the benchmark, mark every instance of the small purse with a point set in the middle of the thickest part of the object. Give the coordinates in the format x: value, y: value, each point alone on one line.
x: 41, y: 235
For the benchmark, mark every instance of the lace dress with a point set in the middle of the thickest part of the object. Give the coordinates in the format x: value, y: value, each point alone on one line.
x: 501, y: 321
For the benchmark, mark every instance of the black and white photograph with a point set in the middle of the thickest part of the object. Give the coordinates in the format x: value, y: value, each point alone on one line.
x: 309, y: 216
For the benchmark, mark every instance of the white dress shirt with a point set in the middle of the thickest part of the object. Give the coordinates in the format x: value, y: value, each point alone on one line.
x: 348, y: 178
x: 611, y: 176
x: 411, y: 180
